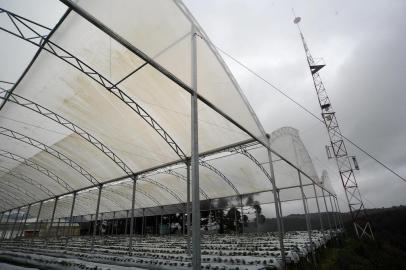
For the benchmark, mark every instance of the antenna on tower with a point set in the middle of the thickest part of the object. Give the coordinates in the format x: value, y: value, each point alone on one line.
x: 337, y: 148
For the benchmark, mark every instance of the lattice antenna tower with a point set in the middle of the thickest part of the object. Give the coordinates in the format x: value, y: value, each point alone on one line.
x: 346, y: 164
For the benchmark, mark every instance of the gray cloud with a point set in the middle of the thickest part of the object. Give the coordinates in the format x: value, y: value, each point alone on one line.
x: 363, y: 44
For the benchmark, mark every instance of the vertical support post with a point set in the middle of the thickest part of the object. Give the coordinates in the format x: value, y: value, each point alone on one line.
x: 19, y: 226
x: 96, y: 217
x: 130, y: 243
x: 235, y: 220
x: 6, y: 225
x: 71, y: 215
x: 113, y: 225
x: 278, y: 215
x: 1, y: 219
x: 25, y: 220
x: 188, y: 209
x: 332, y: 210
x: 183, y: 221
x: 162, y: 210
x: 126, y: 222
x: 90, y: 224
x: 80, y: 224
x: 36, y: 222
x: 143, y: 222
x: 280, y: 212
x: 328, y: 214
x: 318, y: 209
x: 156, y: 225
x: 101, y: 225
x: 196, y: 259
x: 15, y: 222
x: 242, y: 215
x: 52, y: 217
x: 340, y: 214
x: 57, y: 228
x: 309, y: 232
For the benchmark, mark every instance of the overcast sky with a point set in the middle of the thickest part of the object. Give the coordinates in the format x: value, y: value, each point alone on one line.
x: 362, y: 43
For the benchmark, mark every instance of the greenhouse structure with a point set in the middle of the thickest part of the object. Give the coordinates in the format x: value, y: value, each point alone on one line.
x: 126, y: 119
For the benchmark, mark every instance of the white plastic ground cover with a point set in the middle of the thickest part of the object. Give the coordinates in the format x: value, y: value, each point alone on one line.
x: 6, y: 266
x: 227, y: 251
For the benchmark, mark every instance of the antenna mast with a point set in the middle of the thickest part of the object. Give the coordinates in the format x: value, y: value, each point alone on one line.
x: 337, y: 148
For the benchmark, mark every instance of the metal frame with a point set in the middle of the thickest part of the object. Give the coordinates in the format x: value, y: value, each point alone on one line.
x: 48, y: 149
x: 219, y: 173
x: 184, y: 178
x: 355, y: 203
x: 72, y: 60
x: 163, y: 187
x: 27, y: 180
x: 31, y: 105
x: 46, y: 44
x: 37, y: 167
x: 17, y: 188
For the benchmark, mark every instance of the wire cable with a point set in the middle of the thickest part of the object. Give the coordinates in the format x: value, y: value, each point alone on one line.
x: 308, y: 111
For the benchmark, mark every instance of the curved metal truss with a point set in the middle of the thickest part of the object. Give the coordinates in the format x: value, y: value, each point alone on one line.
x: 40, y: 41
x: 299, y: 149
x: 26, y: 103
x: 11, y: 195
x: 5, y: 184
x: 140, y: 190
x: 37, y: 167
x: 163, y: 187
x: 3, y: 201
x: 181, y: 177
x: 219, y: 173
x: 241, y: 150
x: 121, y: 195
x: 149, y: 196
x: 104, y: 198
x: 23, y: 138
x: 137, y: 190
x: 28, y: 180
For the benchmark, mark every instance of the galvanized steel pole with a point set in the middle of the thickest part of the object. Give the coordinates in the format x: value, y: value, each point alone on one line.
x: 196, y: 259
x: 318, y: 209
x: 96, y: 217
x: 52, y: 217
x: 328, y: 214
x: 25, y: 220
x: 143, y: 222
x: 90, y: 225
x: 19, y: 225
x: 242, y: 215
x: 5, y: 230
x: 15, y: 222
x: 277, y: 201
x: 126, y: 222
x: 130, y: 243
x: 71, y: 215
x: 189, y: 221
x: 332, y: 210
x: 340, y: 214
x: 280, y: 213
x: 309, y: 232
x: 36, y: 222
x: 57, y: 228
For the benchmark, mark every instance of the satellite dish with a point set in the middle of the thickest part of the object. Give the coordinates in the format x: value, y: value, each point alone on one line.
x: 297, y: 20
